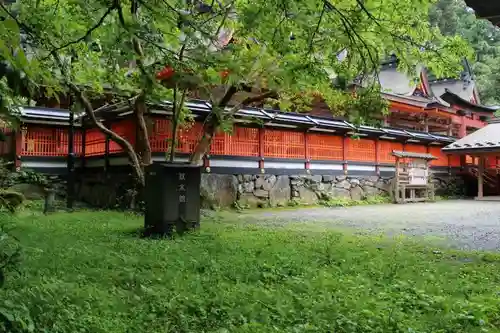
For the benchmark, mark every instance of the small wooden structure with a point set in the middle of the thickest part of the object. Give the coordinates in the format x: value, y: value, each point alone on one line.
x: 482, y: 146
x: 412, y: 181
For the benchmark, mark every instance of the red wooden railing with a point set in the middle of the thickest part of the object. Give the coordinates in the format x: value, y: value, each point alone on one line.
x: 44, y: 141
x: 241, y: 141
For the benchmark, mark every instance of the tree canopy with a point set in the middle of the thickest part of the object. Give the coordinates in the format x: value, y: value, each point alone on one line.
x: 233, y: 52
x: 453, y: 18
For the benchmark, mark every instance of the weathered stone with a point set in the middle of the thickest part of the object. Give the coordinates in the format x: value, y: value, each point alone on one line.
x: 343, y: 184
x: 371, y: 191
x: 259, y: 182
x: 269, y: 182
x: 248, y: 187
x: 270, y: 178
x: 318, y: 187
x: 357, y: 193
x: 315, y: 179
x: 265, y: 182
x: 295, y: 194
x: 372, y: 179
x: 218, y: 190
x: 367, y: 183
x: 296, y: 181
x: 307, y: 196
x: 260, y: 193
x: 341, y: 178
x: 248, y: 178
x: 384, y: 186
x: 280, y: 193
x: 294, y: 177
x: 240, y: 178
x: 251, y: 201
x: 98, y: 194
x: 328, y: 178
x: 336, y: 192
x: 354, y: 182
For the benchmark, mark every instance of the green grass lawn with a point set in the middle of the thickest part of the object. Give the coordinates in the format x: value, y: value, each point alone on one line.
x: 89, y: 272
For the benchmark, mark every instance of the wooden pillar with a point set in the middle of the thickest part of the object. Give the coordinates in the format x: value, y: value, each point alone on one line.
x: 480, y: 174
x: 106, y: 154
x: 450, y: 129
x: 307, y: 164
x: 70, y: 197
x: 19, y: 139
x: 385, y: 121
x: 345, y: 145
x: 426, y: 124
x: 377, y: 156
x: 84, y: 140
x: 261, y: 149
x: 463, y: 128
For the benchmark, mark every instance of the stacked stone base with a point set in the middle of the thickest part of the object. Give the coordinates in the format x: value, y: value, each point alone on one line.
x: 218, y: 190
x: 249, y: 191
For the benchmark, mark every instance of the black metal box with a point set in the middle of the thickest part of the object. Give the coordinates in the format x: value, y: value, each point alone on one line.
x: 172, y: 196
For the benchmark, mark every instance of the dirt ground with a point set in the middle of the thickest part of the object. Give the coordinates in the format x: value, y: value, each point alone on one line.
x: 467, y: 224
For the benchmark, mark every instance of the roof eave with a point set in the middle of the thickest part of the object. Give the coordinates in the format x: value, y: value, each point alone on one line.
x: 454, y: 99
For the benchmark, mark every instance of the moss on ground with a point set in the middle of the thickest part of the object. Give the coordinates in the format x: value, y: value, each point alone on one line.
x: 90, y: 272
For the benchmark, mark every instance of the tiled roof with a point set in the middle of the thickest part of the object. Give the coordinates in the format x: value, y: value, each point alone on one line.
x: 267, y: 117
x: 484, y: 139
x: 315, y: 123
x: 455, y: 99
x: 409, y: 154
x: 486, y: 8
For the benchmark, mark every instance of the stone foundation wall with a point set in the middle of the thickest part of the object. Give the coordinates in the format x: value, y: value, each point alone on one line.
x: 227, y: 190
x: 218, y: 190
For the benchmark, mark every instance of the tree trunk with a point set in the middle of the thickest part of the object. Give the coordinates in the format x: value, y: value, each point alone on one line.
x: 140, y: 109
x: 129, y: 149
x: 203, y: 146
x: 213, y: 122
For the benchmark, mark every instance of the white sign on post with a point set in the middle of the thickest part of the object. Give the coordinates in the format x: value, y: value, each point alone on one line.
x: 418, y: 173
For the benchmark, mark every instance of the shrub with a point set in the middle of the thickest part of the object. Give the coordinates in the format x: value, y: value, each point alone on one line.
x: 10, y: 200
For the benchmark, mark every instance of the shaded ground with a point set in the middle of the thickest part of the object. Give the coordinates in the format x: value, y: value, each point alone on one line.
x: 87, y: 272
x: 466, y: 224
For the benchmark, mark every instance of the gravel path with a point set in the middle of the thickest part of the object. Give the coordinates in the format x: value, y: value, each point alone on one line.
x: 466, y: 224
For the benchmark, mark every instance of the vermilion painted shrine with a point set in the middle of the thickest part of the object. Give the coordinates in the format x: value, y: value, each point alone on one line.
x: 424, y: 117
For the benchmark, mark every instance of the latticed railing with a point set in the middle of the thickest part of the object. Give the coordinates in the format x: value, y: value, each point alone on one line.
x: 241, y: 141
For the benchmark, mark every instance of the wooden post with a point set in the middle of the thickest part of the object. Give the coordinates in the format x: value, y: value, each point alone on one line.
x: 106, y: 155
x: 19, y: 140
x: 70, y: 195
x: 480, y: 174
x: 345, y: 145
x: 450, y: 129
x: 463, y: 128
x: 261, y: 149
x: 426, y: 124
x: 307, y: 164
x: 386, y: 122
x: 377, y: 156
x: 396, y: 182
x: 84, y: 140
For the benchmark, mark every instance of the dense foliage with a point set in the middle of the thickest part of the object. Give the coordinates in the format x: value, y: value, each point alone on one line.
x: 287, y: 51
x: 88, y: 272
x: 454, y: 19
